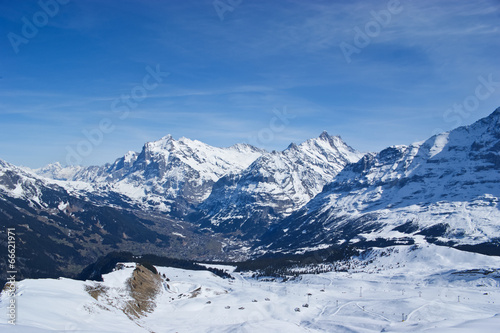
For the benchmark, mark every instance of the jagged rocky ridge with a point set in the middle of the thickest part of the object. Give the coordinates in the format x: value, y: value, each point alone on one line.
x: 232, y: 185
x: 168, y: 175
x: 274, y: 186
x: 445, y: 189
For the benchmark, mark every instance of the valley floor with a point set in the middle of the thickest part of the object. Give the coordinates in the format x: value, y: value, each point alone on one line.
x: 401, y: 289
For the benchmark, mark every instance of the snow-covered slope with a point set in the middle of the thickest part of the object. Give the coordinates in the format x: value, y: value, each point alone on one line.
x: 397, y: 289
x: 276, y: 184
x: 446, y: 189
x: 21, y: 184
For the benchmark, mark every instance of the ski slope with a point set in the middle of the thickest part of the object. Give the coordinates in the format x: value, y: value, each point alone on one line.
x: 397, y: 289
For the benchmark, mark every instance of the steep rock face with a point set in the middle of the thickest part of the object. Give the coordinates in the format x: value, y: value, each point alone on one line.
x: 275, y: 185
x: 445, y: 189
x: 188, y: 168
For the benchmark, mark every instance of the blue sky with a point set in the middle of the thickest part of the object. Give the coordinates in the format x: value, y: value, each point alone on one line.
x: 229, y: 78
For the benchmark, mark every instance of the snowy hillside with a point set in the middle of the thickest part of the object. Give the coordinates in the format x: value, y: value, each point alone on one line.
x: 397, y: 289
x: 446, y: 189
x: 19, y: 183
x: 275, y: 185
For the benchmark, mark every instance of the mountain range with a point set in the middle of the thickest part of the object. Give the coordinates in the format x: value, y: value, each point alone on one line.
x: 445, y: 190
x: 185, y: 198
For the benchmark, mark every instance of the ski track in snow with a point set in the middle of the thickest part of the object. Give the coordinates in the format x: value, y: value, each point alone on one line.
x: 393, y: 288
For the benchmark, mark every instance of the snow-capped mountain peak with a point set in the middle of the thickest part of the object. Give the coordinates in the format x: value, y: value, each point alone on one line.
x: 57, y: 171
x: 210, y: 162
x: 329, y: 149
x: 276, y: 183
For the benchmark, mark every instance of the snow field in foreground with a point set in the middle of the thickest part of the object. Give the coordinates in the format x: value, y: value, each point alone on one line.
x: 390, y: 288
